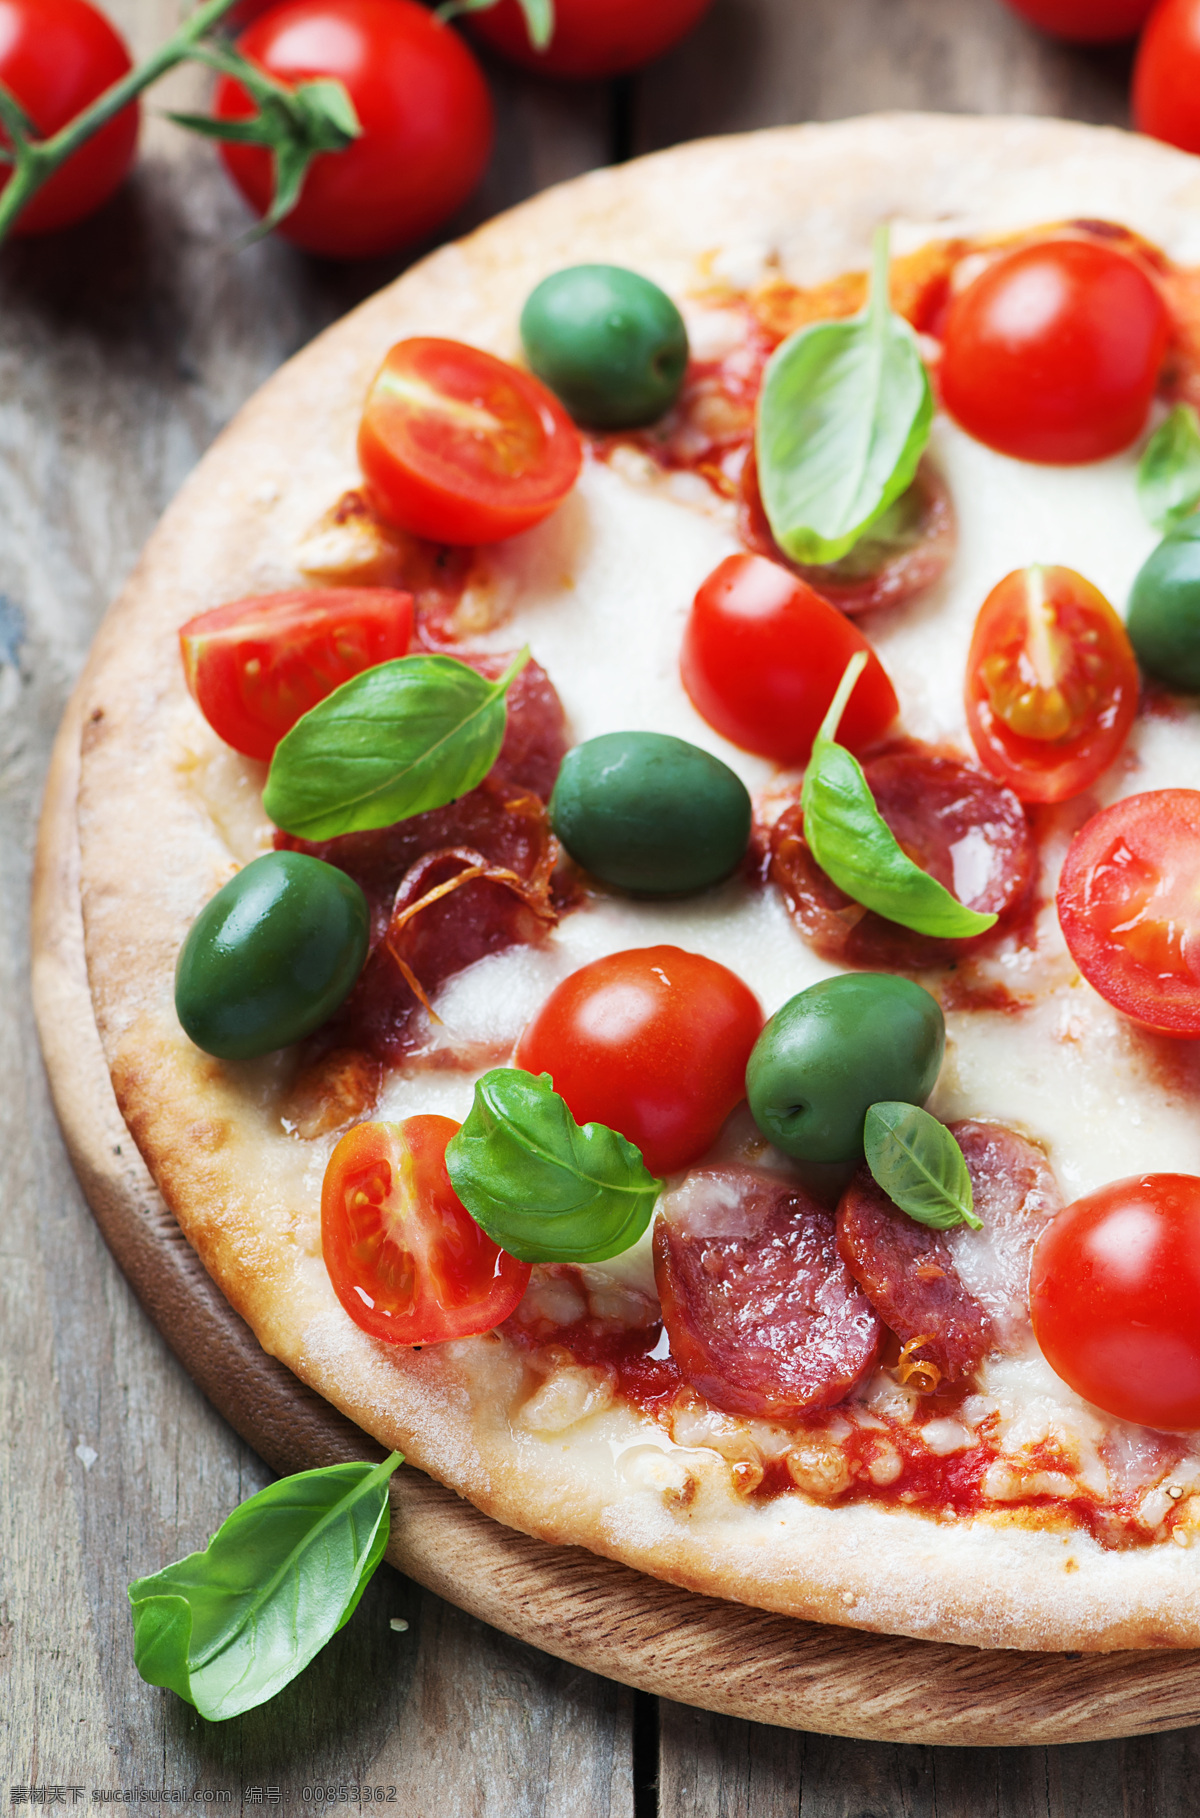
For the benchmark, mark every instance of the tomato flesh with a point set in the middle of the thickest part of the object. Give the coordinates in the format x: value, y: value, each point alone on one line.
x: 762, y: 656
x: 1113, y: 1289
x: 406, y: 1259
x: 421, y: 101
x: 590, y: 39
x: 1166, y: 75
x: 1052, y: 683
x: 56, y: 57
x: 1053, y: 353
x: 460, y: 447
x: 1129, y: 905
x: 653, y: 1042
x: 255, y: 666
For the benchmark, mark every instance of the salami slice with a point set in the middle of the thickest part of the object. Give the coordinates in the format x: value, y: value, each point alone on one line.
x: 1015, y: 1194
x: 958, y: 824
x: 763, y: 1316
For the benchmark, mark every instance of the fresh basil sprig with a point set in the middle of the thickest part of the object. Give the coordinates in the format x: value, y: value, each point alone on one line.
x: 843, y: 419
x: 1168, y: 475
x: 229, y: 1627
x: 853, y: 844
x: 406, y: 736
x: 919, y: 1165
x: 543, y: 1187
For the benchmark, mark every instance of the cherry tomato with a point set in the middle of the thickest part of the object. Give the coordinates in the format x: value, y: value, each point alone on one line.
x: 1113, y: 1289
x: 406, y: 1259
x: 1052, y: 683
x: 763, y: 655
x: 57, y: 56
x: 1166, y: 75
x: 1052, y: 354
x: 1085, y: 21
x: 591, y: 37
x: 460, y: 447
x: 652, y: 1042
x: 423, y: 105
x: 1129, y: 904
x: 255, y: 666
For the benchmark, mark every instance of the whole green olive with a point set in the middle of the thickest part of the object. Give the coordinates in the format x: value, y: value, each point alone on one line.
x: 1164, y: 609
x: 271, y: 957
x: 608, y: 342
x: 650, y: 814
x: 835, y: 1050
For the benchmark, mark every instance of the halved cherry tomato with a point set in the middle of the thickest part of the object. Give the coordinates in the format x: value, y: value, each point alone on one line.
x: 1052, y: 683
x: 1113, y: 1289
x: 591, y: 39
x: 406, y: 1259
x: 653, y: 1042
x: 461, y: 447
x: 1129, y: 904
x: 1166, y: 75
x: 255, y: 666
x: 762, y: 656
x: 1053, y: 353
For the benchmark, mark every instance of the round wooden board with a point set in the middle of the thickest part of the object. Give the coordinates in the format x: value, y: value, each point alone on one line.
x: 600, y: 1615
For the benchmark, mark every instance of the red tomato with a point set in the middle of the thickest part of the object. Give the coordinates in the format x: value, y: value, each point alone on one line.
x: 423, y: 104
x: 254, y: 667
x: 460, y: 447
x: 1085, y: 21
x: 1129, y: 904
x: 763, y: 655
x: 1166, y: 75
x: 1113, y: 1289
x: 57, y: 56
x: 1052, y: 683
x: 652, y: 1042
x: 406, y: 1259
x: 1052, y: 354
x: 591, y: 37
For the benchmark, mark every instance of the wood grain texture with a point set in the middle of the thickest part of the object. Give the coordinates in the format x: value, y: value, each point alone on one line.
x: 124, y: 346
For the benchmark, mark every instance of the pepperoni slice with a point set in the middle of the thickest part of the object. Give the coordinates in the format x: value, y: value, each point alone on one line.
x: 763, y: 1315
x: 908, y: 1274
x: 900, y: 557
x: 956, y: 822
x: 1015, y: 1194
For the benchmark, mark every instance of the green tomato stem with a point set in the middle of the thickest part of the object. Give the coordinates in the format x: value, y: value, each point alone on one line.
x: 35, y: 160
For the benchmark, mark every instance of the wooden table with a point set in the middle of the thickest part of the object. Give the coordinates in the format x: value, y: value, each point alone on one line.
x: 124, y: 346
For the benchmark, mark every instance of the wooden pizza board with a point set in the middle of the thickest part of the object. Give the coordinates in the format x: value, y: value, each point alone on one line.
x: 603, y: 1616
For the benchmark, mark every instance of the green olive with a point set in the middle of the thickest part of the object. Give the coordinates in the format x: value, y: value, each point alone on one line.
x: 271, y: 957
x: 1164, y: 609
x: 609, y: 343
x: 650, y: 814
x: 835, y: 1050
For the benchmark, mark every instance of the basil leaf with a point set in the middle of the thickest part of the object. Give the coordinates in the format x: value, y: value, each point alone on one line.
x: 543, y: 1187
x: 843, y: 419
x: 853, y: 844
x: 1168, y: 475
x: 919, y: 1165
x: 229, y: 1627
x: 398, y: 739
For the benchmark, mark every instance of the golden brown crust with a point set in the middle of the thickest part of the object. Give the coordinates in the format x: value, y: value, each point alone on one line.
x: 152, y: 852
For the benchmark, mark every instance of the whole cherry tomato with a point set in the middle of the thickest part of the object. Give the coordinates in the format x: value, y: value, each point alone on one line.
x: 762, y: 656
x: 1085, y: 21
x: 1113, y: 1289
x: 56, y: 57
x: 1129, y: 905
x: 421, y: 100
x: 591, y: 37
x: 461, y: 447
x: 1166, y: 75
x: 1052, y: 683
x: 406, y: 1259
x: 1052, y: 354
x: 652, y: 1042
x: 255, y: 666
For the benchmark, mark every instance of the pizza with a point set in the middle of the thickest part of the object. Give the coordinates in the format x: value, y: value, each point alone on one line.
x: 772, y: 1383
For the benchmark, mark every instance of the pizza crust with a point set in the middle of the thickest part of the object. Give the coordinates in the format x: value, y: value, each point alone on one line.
x: 152, y: 852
